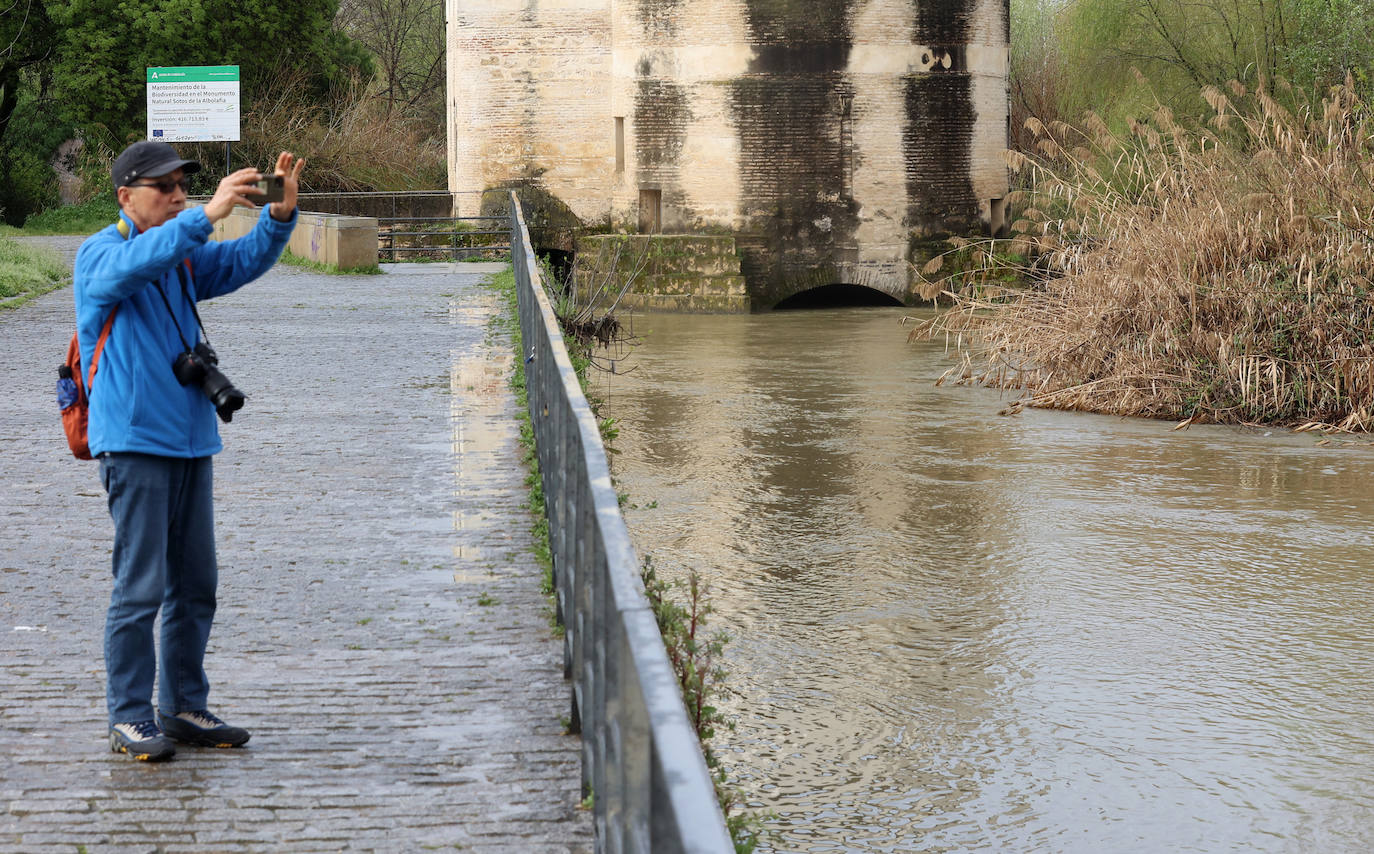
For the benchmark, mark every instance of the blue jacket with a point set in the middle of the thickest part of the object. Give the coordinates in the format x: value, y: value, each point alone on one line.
x: 136, y: 403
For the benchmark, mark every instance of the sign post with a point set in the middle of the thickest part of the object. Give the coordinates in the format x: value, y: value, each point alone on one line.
x: 198, y: 103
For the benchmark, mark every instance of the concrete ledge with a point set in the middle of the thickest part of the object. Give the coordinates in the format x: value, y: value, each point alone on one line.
x: 338, y: 242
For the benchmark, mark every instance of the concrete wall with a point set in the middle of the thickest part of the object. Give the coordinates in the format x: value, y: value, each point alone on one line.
x: 341, y: 242
x: 833, y: 138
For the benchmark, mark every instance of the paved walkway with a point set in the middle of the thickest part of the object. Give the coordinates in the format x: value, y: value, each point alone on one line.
x: 380, y: 628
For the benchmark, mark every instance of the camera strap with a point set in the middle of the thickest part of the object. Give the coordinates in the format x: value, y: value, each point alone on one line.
x: 185, y: 291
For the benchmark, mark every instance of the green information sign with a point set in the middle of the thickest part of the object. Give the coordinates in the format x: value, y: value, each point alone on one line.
x: 198, y: 103
x: 195, y: 74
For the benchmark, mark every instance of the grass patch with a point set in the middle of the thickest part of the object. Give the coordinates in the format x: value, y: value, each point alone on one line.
x: 290, y: 259
x: 27, y: 272
x: 86, y: 218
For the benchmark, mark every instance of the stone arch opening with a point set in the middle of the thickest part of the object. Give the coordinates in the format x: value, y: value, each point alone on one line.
x: 838, y: 296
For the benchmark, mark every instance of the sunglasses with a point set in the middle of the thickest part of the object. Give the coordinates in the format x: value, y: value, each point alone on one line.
x: 168, y: 185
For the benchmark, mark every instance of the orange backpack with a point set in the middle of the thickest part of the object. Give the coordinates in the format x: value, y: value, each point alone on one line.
x: 76, y: 412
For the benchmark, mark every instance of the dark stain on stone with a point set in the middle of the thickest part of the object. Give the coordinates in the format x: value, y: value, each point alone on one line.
x: 659, y: 18
x: 937, y: 141
x: 937, y: 150
x: 662, y: 113
x: 551, y: 222
x: 793, y: 114
x: 943, y: 22
x: 793, y: 22
x: 811, y: 58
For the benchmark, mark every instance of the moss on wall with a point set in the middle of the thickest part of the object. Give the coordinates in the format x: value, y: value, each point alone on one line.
x: 659, y: 272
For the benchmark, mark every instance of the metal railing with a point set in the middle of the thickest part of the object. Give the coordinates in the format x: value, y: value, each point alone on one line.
x: 641, y: 759
x: 454, y: 236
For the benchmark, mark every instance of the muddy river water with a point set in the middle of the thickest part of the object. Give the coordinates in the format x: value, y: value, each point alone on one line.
x: 955, y: 630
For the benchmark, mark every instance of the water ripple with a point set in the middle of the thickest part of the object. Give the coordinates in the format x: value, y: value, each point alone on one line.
x: 956, y: 631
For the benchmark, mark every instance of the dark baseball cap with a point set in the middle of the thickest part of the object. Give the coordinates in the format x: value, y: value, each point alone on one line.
x: 148, y: 159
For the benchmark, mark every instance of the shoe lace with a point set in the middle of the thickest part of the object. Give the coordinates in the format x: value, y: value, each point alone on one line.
x: 203, y: 718
x: 145, y: 729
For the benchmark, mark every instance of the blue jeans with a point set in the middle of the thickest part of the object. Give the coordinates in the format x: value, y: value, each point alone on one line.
x: 164, y: 558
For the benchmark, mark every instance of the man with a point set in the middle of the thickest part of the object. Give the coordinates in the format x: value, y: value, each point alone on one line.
x: 155, y: 437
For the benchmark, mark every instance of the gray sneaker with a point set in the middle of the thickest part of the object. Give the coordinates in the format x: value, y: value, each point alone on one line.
x: 142, y: 740
x: 203, y: 729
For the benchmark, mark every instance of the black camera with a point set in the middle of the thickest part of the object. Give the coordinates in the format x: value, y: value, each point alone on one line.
x: 272, y: 187
x: 198, y: 367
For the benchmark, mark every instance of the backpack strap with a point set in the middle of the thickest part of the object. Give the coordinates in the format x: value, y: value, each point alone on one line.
x: 100, y: 346
x: 109, y: 321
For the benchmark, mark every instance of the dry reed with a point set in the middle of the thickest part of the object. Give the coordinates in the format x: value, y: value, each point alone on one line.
x: 1219, y: 273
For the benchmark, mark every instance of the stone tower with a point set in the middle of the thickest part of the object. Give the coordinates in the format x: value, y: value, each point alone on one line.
x: 832, y: 138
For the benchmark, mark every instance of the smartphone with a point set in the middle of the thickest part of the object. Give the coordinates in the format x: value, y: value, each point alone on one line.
x: 274, y: 188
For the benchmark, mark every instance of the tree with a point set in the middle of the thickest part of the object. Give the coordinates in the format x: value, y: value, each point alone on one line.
x: 27, y: 37
x: 27, y: 40
x: 1334, y: 38
x: 106, y: 45
x: 1038, y: 72
x: 407, y: 39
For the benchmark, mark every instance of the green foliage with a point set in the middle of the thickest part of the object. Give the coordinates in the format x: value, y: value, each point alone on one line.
x: 29, y: 135
x: 695, y: 654
x: 105, y: 47
x: 1039, y: 78
x: 27, y: 36
x: 1092, y: 52
x: 26, y: 183
x: 1333, y: 38
x: 77, y: 69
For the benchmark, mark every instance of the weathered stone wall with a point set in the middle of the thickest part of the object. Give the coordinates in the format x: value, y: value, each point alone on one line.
x: 529, y: 100
x: 830, y: 137
x: 660, y: 272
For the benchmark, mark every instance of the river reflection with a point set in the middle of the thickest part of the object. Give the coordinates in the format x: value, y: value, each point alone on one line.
x: 960, y: 631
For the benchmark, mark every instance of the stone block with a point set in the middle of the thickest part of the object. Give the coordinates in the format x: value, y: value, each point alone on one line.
x: 337, y: 242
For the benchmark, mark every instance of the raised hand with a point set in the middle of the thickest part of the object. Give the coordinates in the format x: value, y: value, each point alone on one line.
x: 236, y: 188
x: 291, y: 174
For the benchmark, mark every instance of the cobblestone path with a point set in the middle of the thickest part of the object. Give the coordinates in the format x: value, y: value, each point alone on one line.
x: 380, y: 627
